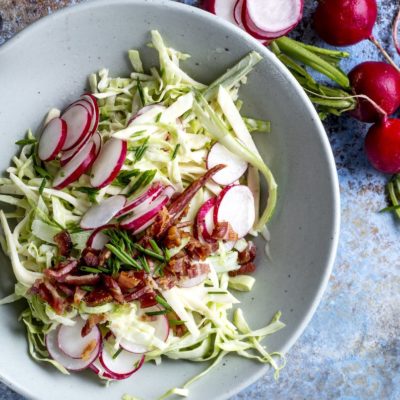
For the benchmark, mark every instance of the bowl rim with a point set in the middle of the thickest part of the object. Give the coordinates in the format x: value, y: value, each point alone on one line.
x: 211, y: 18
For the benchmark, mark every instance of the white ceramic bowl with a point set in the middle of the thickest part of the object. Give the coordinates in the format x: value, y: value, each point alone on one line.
x: 47, y: 64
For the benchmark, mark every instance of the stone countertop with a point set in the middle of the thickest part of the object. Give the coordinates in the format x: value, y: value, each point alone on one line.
x: 351, y: 349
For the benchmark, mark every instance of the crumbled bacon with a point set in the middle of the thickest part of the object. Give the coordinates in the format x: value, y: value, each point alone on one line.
x: 248, y: 254
x: 179, y: 265
x: 63, y: 269
x: 244, y: 269
x: 168, y: 281
x: 79, y: 280
x: 138, y: 293
x: 97, y: 297
x: 160, y: 223
x: 172, y: 238
x: 88, y: 350
x: 90, y: 257
x: 64, y: 243
x: 68, y: 291
x: 223, y: 231
x: 92, y: 321
x: 127, y: 280
x: 79, y: 294
x: 55, y: 300
x: 197, y: 269
x: 104, y: 255
x: 148, y: 300
x: 197, y: 250
x: 113, y: 288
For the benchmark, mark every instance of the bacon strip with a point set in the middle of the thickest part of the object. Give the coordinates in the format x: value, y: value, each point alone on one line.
x: 64, y: 243
x: 244, y: 269
x: 248, y: 254
x: 79, y: 295
x: 90, y: 257
x: 197, y: 269
x: 79, y: 280
x: 97, y: 297
x: 91, y: 322
x: 139, y: 293
x: 113, y: 288
x: 56, y: 302
x: 223, y: 231
x: 63, y: 269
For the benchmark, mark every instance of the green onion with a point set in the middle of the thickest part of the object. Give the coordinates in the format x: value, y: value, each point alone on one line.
x: 144, y: 179
x: 148, y: 252
x: 162, y: 301
x: 139, y: 153
x: 117, y: 353
x: 155, y: 246
x: 24, y: 142
x: 217, y: 292
x: 175, y: 152
x: 145, y: 264
x: 140, y: 90
x: 176, y: 322
x: 93, y: 270
x: 87, y: 288
x: 124, y: 257
x: 42, y: 186
x: 158, y: 117
x: 124, y: 177
x: 161, y: 312
x: 91, y: 193
x: 42, y: 172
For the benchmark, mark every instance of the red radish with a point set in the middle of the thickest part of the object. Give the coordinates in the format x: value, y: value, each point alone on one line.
x: 99, y: 370
x: 381, y: 83
x: 71, y: 342
x: 76, y: 167
x: 149, y: 193
x: 158, y: 322
x: 345, y: 22
x: 100, y: 214
x: 148, y: 203
x: 270, y: 19
x: 382, y: 145
x: 96, y: 113
x: 97, y: 142
x: 139, y: 222
x: 221, y: 8
x: 52, y: 139
x: 197, y: 280
x: 73, y: 364
x: 122, y: 366
x: 67, y: 155
x: 204, y: 220
x: 237, y: 13
x: 78, y: 121
x: 108, y: 163
x: 235, y: 204
x: 235, y: 167
x: 98, y: 239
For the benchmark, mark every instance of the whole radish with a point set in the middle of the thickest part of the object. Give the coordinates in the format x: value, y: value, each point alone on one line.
x: 382, y: 145
x: 345, y: 22
x: 381, y: 83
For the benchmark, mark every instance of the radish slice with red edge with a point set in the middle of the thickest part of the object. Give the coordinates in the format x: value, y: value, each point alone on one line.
x: 122, y: 366
x: 52, y: 139
x: 76, y: 167
x: 235, y: 167
x: 67, y: 155
x: 71, y: 342
x: 150, y: 192
x: 99, y: 370
x: 149, y: 202
x: 191, y: 282
x: 158, y: 322
x: 97, y: 142
x: 102, y: 213
x: 108, y: 163
x: 235, y: 204
x: 139, y: 222
x: 78, y: 121
x: 221, y: 8
x: 237, y: 13
x: 98, y: 239
x: 95, y: 117
x: 72, y: 364
x: 204, y: 220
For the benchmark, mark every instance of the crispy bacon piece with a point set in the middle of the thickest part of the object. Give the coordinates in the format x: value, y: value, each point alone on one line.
x: 148, y: 300
x: 197, y: 269
x: 138, y: 293
x: 88, y: 350
x: 64, y: 243
x: 160, y: 223
x: 79, y: 295
x: 79, y: 280
x: 63, y: 269
x: 104, y: 255
x: 56, y: 301
x: 248, y: 254
x: 127, y: 280
x: 178, y: 205
x: 113, y: 288
x: 90, y: 257
x: 223, y: 231
x: 197, y: 250
x: 97, y: 297
x: 92, y: 321
x: 244, y: 269
x: 179, y: 265
x: 168, y: 281
x: 65, y: 289
x: 172, y: 238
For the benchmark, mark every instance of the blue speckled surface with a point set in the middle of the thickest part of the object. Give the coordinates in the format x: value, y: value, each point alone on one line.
x: 351, y: 349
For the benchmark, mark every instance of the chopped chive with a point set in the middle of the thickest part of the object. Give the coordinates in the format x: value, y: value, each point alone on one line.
x: 161, y: 301
x: 148, y: 252
x: 176, y: 322
x: 139, y: 153
x: 175, y: 152
x: 124, y: 177
x: 158, y: 270
x: 390, y: 208
x: 87, y: 288
x: 158, y: 117
x: 217, y: 292
x: 161, y: 312
x: 140, y: 90
x: 91, y: 193
x: 91, y: 270
x: 117, y: 353
x: 41, y: 171
x: 42, y: 186
x: 144, y: 179
x: 167, y: 255
x: 24, y: 142
x: 123, y: 256
x: 145, y: 264
x: 155, y: 246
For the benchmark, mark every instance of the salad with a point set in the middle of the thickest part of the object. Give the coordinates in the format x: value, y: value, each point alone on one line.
x: 127, y: 223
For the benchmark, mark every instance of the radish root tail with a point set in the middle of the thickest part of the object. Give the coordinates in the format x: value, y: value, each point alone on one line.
x: 395, y: 30
x: 385, y: 54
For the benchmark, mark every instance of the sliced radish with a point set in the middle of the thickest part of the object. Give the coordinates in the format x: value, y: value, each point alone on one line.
x: 221, y: 8
x: 139, y: 222
x: 73, y: 364
x: 235, y: 204
x: 205, y: 221
x: 99, y: 370
x: 52, y: 139
x: 237, y: 12
x: 197, y: 280
x: 108, y: 163
x: 97, y: 142
x: 150, y: 192
x: 235, y: 167
x: 122, y: 366
x: 100, y: 214
x: 158, y: 322
x: 67, y: 155
x: 71, y: 342
x: 149, y: 202
x: 98, y: 239
x: 76, y: 167
x: 96, y: 113
x: 78, y: 121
